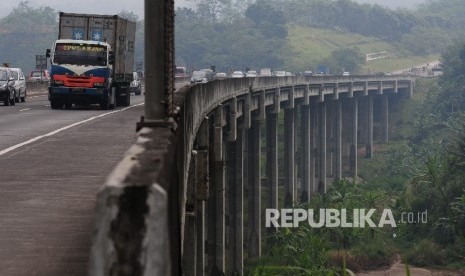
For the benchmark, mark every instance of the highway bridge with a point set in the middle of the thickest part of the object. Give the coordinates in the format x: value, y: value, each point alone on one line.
x: 191, y: 179
x: 186, y: 197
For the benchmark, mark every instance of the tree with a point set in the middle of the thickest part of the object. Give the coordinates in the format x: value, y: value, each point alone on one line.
x: 346, y: 59
x: 270, y: 21
x: 25, y: 19
x: 129, y: 16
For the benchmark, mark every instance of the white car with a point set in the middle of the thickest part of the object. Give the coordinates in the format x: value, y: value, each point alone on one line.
x: 279, y: 73
x: 220, y: 75
x: 237, y: 74
x: 135, y: 85
x: 251, y: 74
x: 20, y: 84
x: 346, y: 73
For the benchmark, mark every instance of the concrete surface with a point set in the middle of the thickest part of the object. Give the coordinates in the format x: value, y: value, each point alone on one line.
x: 48, y: 187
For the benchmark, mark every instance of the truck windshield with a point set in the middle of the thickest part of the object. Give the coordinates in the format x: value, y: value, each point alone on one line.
x: 80, y: 54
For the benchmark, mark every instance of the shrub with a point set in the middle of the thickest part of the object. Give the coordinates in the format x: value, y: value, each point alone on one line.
x: 426, y: 253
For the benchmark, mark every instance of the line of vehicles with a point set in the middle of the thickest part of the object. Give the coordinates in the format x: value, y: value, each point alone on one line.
x: 205, y: 75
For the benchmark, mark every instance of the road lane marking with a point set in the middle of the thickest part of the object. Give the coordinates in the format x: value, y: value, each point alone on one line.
x: 7, y: 150
x: 26, y: 109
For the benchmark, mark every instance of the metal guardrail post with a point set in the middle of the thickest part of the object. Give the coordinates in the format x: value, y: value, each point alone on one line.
x: 158, y: 58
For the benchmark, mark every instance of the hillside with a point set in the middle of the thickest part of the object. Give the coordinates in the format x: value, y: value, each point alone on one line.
x: 310, y: 45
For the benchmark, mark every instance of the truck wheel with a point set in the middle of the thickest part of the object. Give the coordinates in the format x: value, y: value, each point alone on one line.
x: 6, y: 102
x: 112, y: 100
x: 17, y: 99
x: 54, y: 104
x: 13, y: 101
x: 68, y: 105
x: 127, y: 99
x: 105, y: 104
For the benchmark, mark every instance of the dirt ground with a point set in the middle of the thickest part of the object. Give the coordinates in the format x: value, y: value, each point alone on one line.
x: 398, y: 269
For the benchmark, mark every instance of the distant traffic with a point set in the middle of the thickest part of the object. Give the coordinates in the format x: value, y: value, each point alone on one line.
x: 206, y: 75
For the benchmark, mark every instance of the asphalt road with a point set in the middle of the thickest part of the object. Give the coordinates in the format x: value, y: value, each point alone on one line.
x: 53, y: 163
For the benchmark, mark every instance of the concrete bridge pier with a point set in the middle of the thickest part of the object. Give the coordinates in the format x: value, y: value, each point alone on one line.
x: 194, y: 246
x: 216, y: 202
x: 235, y: 196
x: 385, y: 118
x: 338, y: 139
x: 369, y: 130
x: 322, y: 149
x: 289, y: 159
x: 254, y: 188
x: 354, y: 138
x: 190, y: 236
x: 305, y: 152
x: 313, y: 147
x: 297, y: 152
x: 329, y: 137
x: 272, y: 155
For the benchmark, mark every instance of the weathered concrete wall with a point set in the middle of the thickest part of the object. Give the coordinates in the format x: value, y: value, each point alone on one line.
x: 37, y: 87
x: 135, y: 228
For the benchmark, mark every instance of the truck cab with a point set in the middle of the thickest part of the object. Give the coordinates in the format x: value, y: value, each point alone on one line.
x: 80, y: 73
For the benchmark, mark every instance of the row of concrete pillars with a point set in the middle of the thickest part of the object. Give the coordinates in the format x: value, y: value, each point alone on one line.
x: 320, y: 143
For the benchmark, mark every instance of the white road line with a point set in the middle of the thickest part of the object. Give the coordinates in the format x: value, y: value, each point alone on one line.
x: 26, y: 109
x: 7, y: 150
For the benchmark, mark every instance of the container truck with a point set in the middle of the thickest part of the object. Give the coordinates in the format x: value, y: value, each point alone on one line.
x: 92, y: 61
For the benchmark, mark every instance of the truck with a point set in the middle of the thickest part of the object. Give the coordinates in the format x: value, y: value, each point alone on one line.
x: 265, y: 72
x: 92, y: 61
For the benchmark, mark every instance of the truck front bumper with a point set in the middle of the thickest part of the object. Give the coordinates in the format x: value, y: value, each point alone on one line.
x: 77, y: 95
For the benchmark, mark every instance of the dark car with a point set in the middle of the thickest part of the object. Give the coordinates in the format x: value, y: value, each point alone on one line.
x: 7, y: 90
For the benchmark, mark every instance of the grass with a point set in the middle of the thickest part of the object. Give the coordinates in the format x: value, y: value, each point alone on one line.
x: 309, y: 46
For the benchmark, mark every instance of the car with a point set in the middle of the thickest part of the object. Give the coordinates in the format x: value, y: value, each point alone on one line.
x: 135, y: 85
x: 20, y: 84
x: 181, y: 72
x: 221, y: 75
x: 308, y: 73
x: 39, y: 75
x: 237, y: 74
x: 279, y: 73
x: 7, y: 89
x: 345, y: 73
x: 251, y: 74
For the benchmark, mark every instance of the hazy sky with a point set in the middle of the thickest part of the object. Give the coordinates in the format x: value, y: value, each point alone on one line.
x: 137, y: 6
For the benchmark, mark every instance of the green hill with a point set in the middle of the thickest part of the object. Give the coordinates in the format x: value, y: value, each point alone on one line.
x: 309, y: 46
